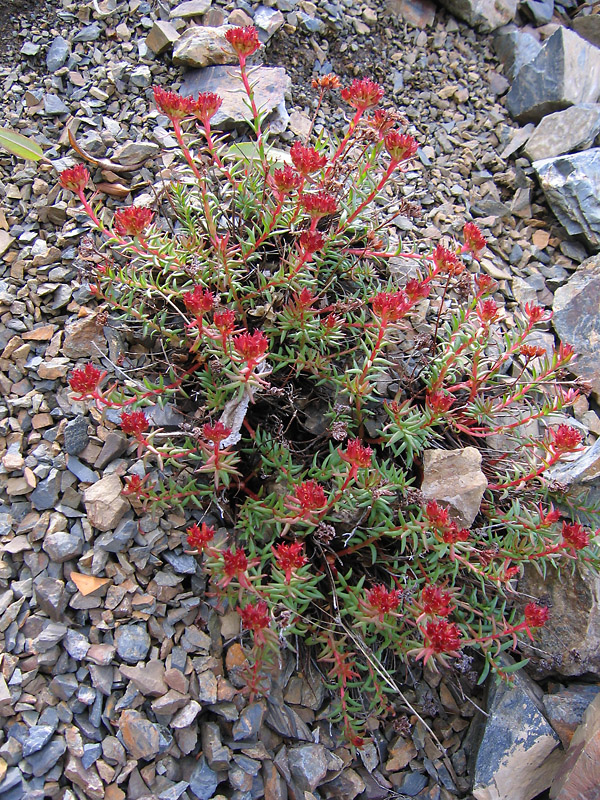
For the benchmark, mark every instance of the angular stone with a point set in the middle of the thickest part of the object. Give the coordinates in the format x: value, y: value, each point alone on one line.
x: 54, y: 106
x: 45, y: 496
x: 50, y: 596
x: 76, y: 435
x: 204, y: 47
x: 485, y: 15
x: 117, y: 541
x: 308, y: 765
x: 104, y: 503
x: 190, y: 8
x: 519, y: 752
x: 203, y: 780
x: 268, y: 21
x: 62, y: 546
x: 579, y: 776
x: 38, y: 737
x: 540, y: 11
x: 170, y: 703
x: 88, y: 779
x: 133, y: 153
x: 89, y: 33
x: 576, y: 320
x: 454, y: 479
x: 132, y: 642
x: 564, y: 73
x: 148, y: 678
x: 588, y: 27
x: 185, y: 717
x: 345, y: 787
x: 418, y: 13
x: 565, y: 708
x: 271, y: 85
x: 44, y: 760
x: 217, y: 755
x: 571, y: 184
x: 514, y: 49
x: 162, y: 36
x: 140, y: 737
x: 84, y: 338
x: 565, y: 131
x: 57, y: 54
x: 114, y: 446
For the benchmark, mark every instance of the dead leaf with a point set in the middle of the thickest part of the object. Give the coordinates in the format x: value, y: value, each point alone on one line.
x: 113, y: 189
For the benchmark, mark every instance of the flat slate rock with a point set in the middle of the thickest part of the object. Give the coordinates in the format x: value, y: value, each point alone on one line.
x: 514, y: 49
x: 485, y: 15
x: 565, y: 131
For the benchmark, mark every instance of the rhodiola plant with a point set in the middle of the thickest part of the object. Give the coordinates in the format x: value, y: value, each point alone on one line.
x: 278, y: 328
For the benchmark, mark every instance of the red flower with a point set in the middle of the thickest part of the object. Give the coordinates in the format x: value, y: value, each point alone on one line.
x: 382, y: 121
x: 529, y: 351
x: 255, y: 618
x: 173, y: 105
x: 362, y: 94
x: 311, y: 241
x: 289, y: 557
x: 134, y: 422
x: 383, y: 601
x: 306, y: 159
x: 565, y: 439
x: 485, y: 284
x: 199, y: 537
x: 536, y: 313
x: 331, y: 322
x: 390, y: 306
x: 134, y: 485
x: 75, y: 179
x: 215, y: 433
x: 199, y: 301
x: 574, y: 535
x: 224, y: 321
x: 206, y: 106
x: 436, y: 515
x: 439, y: 402
x: 244, y: 41
x: 319, y: 204
x: 442, y: 636
x: 310, y: 495
x: 565, y: 352
x: 132, y: 221
x: 474, y: 240
x: 416, y: 290
x: 330, y: 81
x: 251, y: 347
x: 548, y: 517
x: 357, y: 454
x: 286, y: 180
x: 305, y: 299
x: 455, y: 534
x: 446, y: 261
x: 435, y: 601
x: 487, y: 311
x: 400, y: 146
x: 85, y: 381
x: 536, y: 616
x: 235, y: 566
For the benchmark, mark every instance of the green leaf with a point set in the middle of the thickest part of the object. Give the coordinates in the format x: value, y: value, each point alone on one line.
x: 20, y: 145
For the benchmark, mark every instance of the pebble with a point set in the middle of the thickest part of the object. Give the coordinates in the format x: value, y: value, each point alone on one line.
x: 132, y: 643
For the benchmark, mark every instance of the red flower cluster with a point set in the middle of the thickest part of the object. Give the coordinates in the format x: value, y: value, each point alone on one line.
x: 289, y: 557
x: 529, y: 351
x: 244, y: 41
x: 442, y: 636
x: 251, y: 347
x: 536, y: 616
x: 439, y: 519
x: 199, y: 537
x: 224, y: 321
x: 286, y: 180
x: 311, y: 241
x: 474, y: 240
x: 319, y: 204
x: 390, y: 306
x: 362, y: 94
x: 199, y: 301
x: 400, y: 146
x: 565, y: 439
x: 485, y: 284
x: 536, y: 313
x: 487, y: 311
x: 215, y: 433
x: 454, y: 534
x: 382, y: 600
x: 416, y: 290
x: 306, y: 159
x: 206, y: 106
x: 133, y: 485
x: 235, y: 566
x: 357, y: 454
x: 435, y: 601
x: 382, y: 121
x: 132, y: 221
x: 574, y: 535
x: 310, y: 495
x: 439, y: 402
x: 134, y: 422
x: 85, y: 381
x: 330, y: 81
x: 75, y: 179
x: 255, y: 617
x: 305, y: 299
x: 447, y: 262
x: 548, y: 517
x: 173, y: 105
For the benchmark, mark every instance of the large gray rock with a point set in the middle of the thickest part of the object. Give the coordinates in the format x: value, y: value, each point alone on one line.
x: 579, y: 776
x: 565, y: 131
x: 514, y: 49
x: 577, y: 322
x: 564, y: 73
x: 588, y: 27
x: 571, y: 184
x: 271, y: 86
x: 519, y: 751
x: 540, y: 11
x: 203, y: 47
x: 485, y: 15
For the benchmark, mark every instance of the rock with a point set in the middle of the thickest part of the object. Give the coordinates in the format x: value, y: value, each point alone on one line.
x: 62, y: 546
x: 50, y: 596
x: 162, y: 36
x: 54, y: 106
x: 57, y: 54
x: 564, y: 73
x: 540, y: 11
x: 76, y: 435
x: 519, y: 752
x: 117, y: 541
x: 584, y: 468
x: 88, y: 34
x: 190, y: 8
x: 571, y: 184
x: 187, y: 715
x: 345, y: 787
x: 579, y: 776
x: 45, y: 496
x: 88, y: 779
x: 308, y: 765
x: 203, y: 780
x: 566, y: 707
x: 588, y: 28
x: 576, y: 321
x: 132, y: 642
x: 565, y: 131
x: 115, y: 445
x: 570, y: 641
x: 249, y: 723
x: 454, y: 479
x: 204, y: 47
x: 485, y: 15
x: 37, y: 737
x: 418, y: 13
x: 268, y: 21
x: 140, y: 737
x: 84, y: 338
x: 104, y: 503
x: 148, y: 678
x: 217, y: 755
x: 5, y: 241
x: 135, y: 152
x: 141, y: 76
x: 271, y: 85
x: 514, y: 49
